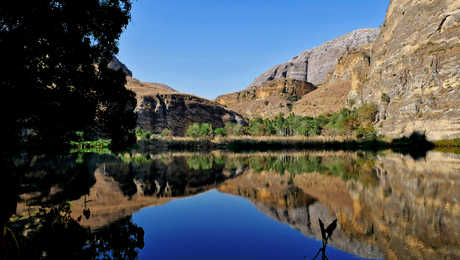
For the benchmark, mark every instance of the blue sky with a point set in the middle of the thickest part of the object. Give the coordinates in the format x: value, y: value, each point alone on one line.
x: 213, y: 47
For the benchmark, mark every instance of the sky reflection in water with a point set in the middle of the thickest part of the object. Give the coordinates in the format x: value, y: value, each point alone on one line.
x: 215, y: 225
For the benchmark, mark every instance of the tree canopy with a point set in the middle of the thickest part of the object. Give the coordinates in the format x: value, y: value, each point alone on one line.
x: 55, y: 78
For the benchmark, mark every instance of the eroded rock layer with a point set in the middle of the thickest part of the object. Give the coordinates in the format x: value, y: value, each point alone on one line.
x: 267, y: 100
x: 177, y: 111
x: 314, y: 65
x: 414, y: 72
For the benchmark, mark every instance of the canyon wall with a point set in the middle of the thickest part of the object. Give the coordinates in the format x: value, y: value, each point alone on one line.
x: 313, y: 65
x: 414, y: 73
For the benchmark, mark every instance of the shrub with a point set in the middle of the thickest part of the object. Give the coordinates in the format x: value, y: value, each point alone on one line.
x: 193, y: 130
x: 220, y: 132
x: 166, y: 132
x: 266, y: 102
x: 200, y: 130
x: 206, y: 130
x: 367, y: 112
x: 139, y: 131
x: 385, y: 98
x: 234, y: 129
x: 147, y: 135
x: 289, y: 105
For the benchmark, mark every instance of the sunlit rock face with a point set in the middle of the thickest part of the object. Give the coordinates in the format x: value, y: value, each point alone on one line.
x: 414, y: 73
x: 268, y: 99
x: 336, y: 65
x: 314, y: 65
x: 349, y: 75
x: 414, y: 211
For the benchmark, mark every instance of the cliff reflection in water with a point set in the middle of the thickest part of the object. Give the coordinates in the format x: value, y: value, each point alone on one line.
x: 387, y: 205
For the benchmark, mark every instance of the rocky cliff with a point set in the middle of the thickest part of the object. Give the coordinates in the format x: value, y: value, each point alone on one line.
x: 314, y: 65
x: 349, y: 74
x: 268, y: 99
x: 176, y: 111
x: 414, y: 72
x: 336, y: 66
x: 161, y: 107
x: 116, y: 64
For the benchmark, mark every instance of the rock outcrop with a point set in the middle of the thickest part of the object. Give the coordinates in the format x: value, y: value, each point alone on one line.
x: 414, y: 73
x: 335, y: 67
x: 349, y: 74
x: 161, y: 107
x: 267, y: 100
x: 177, y: 111
x: 315, y: 64
x: 116, y: 64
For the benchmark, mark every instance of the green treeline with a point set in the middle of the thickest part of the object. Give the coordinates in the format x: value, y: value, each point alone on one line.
x: 360, y: 167
x: 357, y: 122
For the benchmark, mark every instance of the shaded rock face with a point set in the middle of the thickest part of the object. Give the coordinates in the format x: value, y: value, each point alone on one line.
x: 414, y: 72
x: 176, y: 112
x: 116, y: 64
x: 161, y: 107
x: 315, y: 64
x: 268, y: 99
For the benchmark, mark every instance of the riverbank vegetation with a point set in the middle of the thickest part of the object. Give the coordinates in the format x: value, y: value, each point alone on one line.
x: 356, y: 123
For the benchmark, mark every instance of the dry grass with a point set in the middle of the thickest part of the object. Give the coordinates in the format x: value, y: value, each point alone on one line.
x: 328, y: 98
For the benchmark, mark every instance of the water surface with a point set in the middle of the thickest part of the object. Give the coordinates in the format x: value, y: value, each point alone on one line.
x: 246, y: 206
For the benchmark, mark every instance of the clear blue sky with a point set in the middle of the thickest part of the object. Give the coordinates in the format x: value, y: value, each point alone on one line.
x: 212, y: 47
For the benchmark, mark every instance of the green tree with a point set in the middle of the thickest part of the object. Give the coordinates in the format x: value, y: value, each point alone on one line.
x: 220, y: 132
x: 193, y: 130
x: 206, y: 130
x: 55, y: 68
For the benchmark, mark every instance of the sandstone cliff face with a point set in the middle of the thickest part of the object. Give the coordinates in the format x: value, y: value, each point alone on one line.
x: 176, y: 111
x: 414, y: 72
x: 349, y: 74
x: 268, y: 99
x: 314, y: 65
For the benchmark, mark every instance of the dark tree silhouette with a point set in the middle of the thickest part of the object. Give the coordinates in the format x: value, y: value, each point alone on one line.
x: 54, y: 72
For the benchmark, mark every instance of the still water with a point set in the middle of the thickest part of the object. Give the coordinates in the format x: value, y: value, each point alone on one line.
x: 238, y: 206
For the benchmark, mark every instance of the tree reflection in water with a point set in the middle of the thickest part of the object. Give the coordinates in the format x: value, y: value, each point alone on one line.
x: 54, y: 234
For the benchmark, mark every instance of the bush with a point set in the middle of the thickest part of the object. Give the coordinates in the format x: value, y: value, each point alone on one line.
x: 139, y: 131
x: 206, y: 130
x: 234, y: 129
x: 193, y: 130
x: 220, y: 132
x: 166, y: 132
x: 147, y: 135
x: 200, y: 130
